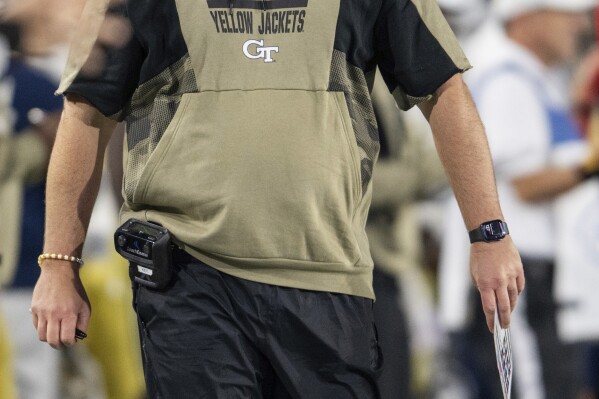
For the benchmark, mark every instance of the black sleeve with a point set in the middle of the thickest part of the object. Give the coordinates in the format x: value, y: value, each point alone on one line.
x: 416, y: 51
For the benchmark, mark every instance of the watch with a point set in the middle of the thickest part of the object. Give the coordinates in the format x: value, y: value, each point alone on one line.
x: 493, y: 230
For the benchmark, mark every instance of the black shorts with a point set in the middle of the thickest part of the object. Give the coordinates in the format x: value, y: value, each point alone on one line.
x: 211, y: 335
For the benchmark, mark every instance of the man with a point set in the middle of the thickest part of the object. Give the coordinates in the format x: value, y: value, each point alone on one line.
x: 251, y: 138
x: 539, y: 155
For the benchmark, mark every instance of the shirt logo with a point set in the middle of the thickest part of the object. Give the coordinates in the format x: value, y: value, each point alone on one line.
x: 254, y: 49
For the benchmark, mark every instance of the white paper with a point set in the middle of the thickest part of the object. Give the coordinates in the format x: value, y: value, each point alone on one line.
x: 503, y: 352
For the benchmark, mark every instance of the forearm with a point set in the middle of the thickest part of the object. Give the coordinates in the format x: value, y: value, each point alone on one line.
x: 464, y: 151
x: 495, y: 266
x: 59, y: 304
x: 547, y: 183
x: 74, y: 176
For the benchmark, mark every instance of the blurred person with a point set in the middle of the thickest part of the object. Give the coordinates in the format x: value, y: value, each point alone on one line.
x: 7, y: 382
x: 8, y: 389
x: 408, y: 170
x: 45, y: 29
x: 577, y: 275
x: 540, y: 157
x: 272, y: 291
x: 465, y: 16
x: 29, y: 119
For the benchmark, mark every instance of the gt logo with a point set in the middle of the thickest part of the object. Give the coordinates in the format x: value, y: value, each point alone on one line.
x: 259, y: 51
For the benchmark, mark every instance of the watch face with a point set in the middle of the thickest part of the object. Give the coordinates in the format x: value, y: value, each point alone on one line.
x: 493, y: 230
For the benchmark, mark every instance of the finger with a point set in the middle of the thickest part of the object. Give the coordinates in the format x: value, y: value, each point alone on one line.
x: 512, y: 292
x: 42, y: 326
x: 83, y: 320
x: 503, y: 307
x: 34, y: 318
x: 520, y: 282
x: 67, y: 331
x: 53, y: 334
x: 488, y: 300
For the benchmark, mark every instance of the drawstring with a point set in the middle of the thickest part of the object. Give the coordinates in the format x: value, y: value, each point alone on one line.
x: 263, y: 5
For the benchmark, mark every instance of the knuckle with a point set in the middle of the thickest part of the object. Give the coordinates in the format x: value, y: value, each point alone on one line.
x: 489, y: 309
x: 59, y: 313
x: 492, y: 283
x: 504, y: 308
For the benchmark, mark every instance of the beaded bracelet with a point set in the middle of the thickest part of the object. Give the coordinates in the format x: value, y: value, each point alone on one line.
x: 67, y: 258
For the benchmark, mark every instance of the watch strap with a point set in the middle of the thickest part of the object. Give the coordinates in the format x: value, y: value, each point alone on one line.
x: 476, y: 235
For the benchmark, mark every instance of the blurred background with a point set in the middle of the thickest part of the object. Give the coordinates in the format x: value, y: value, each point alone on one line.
x: 536, y: 83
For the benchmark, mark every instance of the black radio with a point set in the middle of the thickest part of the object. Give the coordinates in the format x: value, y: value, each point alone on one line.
x: 148, y: 248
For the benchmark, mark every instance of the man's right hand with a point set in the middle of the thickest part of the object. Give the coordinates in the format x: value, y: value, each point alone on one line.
x: 59, y: 304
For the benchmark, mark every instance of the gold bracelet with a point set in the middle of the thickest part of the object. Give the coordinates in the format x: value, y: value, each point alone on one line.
x: 67, y: 258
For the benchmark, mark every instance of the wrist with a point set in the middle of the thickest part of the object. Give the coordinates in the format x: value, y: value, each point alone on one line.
x: 57, y: 268
x: 60, y: 262
x: 489, y: 231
